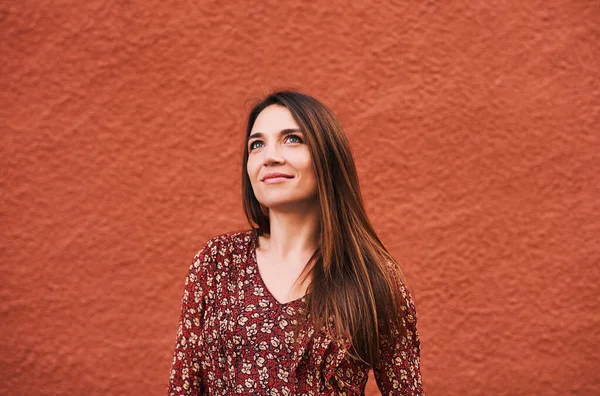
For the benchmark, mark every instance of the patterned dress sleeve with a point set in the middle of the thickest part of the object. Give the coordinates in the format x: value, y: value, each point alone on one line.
x: 399, y: 369
x: 185, y: 368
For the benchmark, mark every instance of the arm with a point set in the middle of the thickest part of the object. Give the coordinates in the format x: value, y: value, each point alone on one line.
x: 399, y: 370
x: 185, y: 369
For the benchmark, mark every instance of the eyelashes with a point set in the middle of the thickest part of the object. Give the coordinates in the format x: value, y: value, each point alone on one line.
x: 252, y: 145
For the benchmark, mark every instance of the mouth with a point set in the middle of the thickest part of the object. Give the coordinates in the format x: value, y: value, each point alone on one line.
x: 277, y: 175
x: 279, y: 179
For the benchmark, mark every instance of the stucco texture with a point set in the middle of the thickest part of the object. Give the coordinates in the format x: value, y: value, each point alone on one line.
x: 475, y: 128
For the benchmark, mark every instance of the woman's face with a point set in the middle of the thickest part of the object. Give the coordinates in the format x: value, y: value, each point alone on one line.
x: 276, y: 145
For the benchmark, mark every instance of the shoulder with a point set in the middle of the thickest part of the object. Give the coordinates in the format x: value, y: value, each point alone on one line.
x: 407, y: 308
x: 232, y: 239
x: 399, y: 279
x: 221, y: 247
x: 211, y: 268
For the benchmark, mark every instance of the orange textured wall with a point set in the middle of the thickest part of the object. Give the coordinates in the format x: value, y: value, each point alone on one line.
x: 475, y: 127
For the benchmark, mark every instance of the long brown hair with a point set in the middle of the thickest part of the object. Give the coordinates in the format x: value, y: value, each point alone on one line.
x: 354, y: 278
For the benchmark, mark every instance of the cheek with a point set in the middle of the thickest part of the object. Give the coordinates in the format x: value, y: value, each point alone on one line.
x: 302, y: 161
x: 307, y: 167
x: 251, y: 167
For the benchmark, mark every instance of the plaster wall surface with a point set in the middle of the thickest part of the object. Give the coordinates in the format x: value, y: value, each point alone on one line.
x: 475, y: 131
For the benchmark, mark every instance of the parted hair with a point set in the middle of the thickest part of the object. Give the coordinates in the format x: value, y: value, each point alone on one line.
x: 354, y: 281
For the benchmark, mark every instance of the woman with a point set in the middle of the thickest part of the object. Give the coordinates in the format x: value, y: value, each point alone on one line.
x: 308, y: 300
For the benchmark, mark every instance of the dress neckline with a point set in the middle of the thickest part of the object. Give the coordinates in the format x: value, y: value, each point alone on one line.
x: 299, y: 301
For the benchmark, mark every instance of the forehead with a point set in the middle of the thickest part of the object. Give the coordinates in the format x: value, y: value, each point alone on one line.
x: 273, y: 119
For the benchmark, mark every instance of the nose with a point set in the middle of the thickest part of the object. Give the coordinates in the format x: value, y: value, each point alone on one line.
x: 272, y: 155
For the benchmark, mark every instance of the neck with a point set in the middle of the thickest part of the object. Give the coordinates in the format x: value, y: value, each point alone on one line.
x: 293, y: 233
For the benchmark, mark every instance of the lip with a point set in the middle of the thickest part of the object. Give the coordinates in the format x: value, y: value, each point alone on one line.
x: 276, y: 175
x: 273, y: 180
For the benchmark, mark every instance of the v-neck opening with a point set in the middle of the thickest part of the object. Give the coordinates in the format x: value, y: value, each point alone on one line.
x: 262, y: 281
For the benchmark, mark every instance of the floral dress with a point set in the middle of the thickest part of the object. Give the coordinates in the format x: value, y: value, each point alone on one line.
x: 234, y: 337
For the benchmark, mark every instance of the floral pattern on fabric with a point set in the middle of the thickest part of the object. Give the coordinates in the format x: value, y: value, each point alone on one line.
x: 234, y: 337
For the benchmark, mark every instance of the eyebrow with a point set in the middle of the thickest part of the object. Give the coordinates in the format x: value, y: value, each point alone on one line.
x: 285, y: 131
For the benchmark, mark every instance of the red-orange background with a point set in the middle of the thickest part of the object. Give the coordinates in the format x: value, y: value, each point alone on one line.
x: 475, y: 131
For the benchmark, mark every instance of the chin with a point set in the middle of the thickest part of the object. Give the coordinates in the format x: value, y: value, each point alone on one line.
x: 291, y: 203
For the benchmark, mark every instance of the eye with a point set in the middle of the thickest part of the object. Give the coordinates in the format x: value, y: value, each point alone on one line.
x: 252, y: 144
x: 296, y: 137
